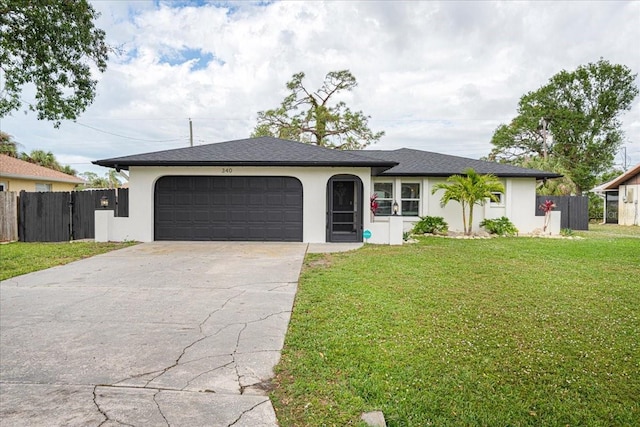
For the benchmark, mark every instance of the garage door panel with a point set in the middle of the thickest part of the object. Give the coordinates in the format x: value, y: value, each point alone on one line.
x: 255, y: 199
x: 292, y: 217
x: 201, y: 216
x: 202, y: 200
x: 201, y: 185
x: 237, y: 199
x: 274, y: 199
x: 290, y: 200
x: 228, y: 208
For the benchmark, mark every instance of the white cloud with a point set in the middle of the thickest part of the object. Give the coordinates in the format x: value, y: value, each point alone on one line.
x: 438, y: 76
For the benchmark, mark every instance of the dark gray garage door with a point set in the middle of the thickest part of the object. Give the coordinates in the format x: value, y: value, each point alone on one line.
x: 265, y: 208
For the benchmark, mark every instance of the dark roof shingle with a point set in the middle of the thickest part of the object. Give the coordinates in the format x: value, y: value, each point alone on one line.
x: 425, y: 163
x: 269, y: 151
x: 262, y: 151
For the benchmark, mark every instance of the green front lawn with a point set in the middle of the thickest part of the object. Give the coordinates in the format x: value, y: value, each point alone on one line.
x: 21, y: 258
x: 445, y: 332
x: 609, y: 230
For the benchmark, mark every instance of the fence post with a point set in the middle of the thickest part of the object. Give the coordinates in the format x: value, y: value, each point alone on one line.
x: 8, y: 216
x: 21, y: 215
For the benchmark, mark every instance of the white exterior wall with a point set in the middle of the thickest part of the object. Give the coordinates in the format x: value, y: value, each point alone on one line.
x: 519, y: 202
x: 628, y: 205
x: 139, y: 225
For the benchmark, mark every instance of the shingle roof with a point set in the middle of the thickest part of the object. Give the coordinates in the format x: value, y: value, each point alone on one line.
x: 611, y: 185
x: 268, y: 151
x: 425, y: 163
x: 262, y: 151
x: 15, y: 168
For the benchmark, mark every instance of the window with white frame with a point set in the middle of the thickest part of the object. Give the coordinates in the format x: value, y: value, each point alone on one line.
x: 498, y: 199
x: 43, y: 186
x: 3, y: 186
x: 384, y: 191
x: 410, y: 199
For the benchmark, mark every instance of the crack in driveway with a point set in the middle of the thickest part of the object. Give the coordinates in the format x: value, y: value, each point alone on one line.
x: 246, y: 412
x: 124, y: 354
x: 203, y: 337
x: 159, y: 409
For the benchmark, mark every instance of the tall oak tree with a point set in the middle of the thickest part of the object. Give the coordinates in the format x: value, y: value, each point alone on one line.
x: 54, y: 45
x: 574, y: 119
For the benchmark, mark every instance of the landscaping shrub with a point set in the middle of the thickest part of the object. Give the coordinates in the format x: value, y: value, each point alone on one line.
x: 501, y: 226
x: 431, y: 224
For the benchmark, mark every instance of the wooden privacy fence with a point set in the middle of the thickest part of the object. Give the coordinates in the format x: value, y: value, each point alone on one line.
x: 575, y: 210
x: 64, y: 216
x: 8, y: 216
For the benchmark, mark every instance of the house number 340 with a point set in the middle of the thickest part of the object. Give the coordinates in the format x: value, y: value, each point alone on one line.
x: 227, y: 170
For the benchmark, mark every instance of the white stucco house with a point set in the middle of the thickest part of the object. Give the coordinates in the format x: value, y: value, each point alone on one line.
x: 270, y: 189
x: 621, y: 198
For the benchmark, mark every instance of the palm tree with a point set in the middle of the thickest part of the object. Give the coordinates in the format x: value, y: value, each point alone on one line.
x: 43, y: 158
x: 469, y: 190
x: 112, y: 178
x: 8, y: 146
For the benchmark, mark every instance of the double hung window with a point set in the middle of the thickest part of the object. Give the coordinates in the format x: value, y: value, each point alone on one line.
x: 410, y: 199
x: 384, y: 191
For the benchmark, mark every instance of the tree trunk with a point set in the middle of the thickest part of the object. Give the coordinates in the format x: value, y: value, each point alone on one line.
x: 464, y: 217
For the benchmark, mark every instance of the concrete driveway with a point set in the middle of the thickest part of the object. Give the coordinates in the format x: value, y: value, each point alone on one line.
x: 179, y: 334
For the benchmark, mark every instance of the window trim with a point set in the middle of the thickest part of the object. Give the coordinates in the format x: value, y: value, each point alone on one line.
x: 500, y: 202
x: 418, y: 199
x: 391, y: 199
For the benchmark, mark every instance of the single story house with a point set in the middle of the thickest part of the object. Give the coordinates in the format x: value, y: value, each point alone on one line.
x: 621, y: 198
x: 18, y: 175
x: 270, y: 189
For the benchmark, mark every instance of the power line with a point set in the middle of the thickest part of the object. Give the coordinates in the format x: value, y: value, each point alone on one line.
x: 128, y: 137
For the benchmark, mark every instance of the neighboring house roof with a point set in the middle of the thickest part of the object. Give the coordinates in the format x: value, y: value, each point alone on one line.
x: 11, y: 167
x: 269, y: 151
x: 262, y: 151
x: 425, y: 163
x: 612, y: 185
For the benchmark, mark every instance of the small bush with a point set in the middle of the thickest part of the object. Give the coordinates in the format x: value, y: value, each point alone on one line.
x: 431, y: 224
x: 566, y: 232
x: 501, y: 226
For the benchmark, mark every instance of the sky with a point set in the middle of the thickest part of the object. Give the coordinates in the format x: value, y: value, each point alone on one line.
x: 435, y: 76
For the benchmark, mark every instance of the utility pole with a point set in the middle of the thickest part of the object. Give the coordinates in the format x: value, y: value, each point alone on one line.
x: 190, y: 132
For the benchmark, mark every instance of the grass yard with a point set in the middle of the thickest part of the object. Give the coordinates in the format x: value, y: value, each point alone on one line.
x: 610, y: 230
x: 446, y: 332
x: 21, y: 258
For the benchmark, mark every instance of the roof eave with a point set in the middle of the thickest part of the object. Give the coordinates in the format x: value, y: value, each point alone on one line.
x: 71, y: 179
x: 614, y: 184
x: 126, y: 164
x: 446, y: 175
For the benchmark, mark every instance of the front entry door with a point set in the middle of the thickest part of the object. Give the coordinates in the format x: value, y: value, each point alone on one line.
x: 611, y: 207
x: 344, y: 215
